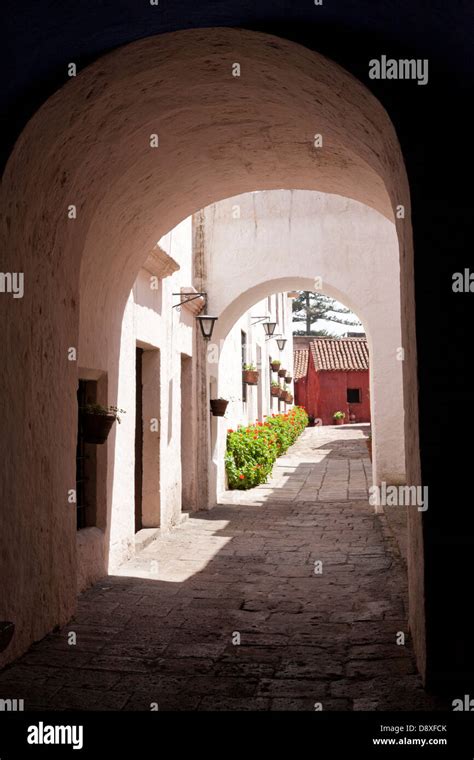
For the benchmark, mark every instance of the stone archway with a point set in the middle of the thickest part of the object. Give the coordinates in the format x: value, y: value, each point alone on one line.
x: 262, y: 243
x: 90, y: 147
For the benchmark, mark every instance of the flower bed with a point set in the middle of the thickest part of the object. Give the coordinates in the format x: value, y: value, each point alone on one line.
x: 252, y: 450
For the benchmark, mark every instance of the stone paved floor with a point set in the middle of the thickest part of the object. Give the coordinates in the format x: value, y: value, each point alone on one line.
x: 166, y: 629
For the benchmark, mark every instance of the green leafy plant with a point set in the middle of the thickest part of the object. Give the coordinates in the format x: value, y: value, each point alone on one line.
x: 338, y: 415
x: 252, y: 450
x: 103, y: 410
x: 249, y: 368
x: 275, y: 384
x: 276, y: 361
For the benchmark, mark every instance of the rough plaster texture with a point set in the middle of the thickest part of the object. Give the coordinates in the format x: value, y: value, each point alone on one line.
x: 90, y: 145
x: 284, y: 240
x: 164, y: 333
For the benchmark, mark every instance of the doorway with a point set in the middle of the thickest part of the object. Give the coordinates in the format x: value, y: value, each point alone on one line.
x: 86, y: 462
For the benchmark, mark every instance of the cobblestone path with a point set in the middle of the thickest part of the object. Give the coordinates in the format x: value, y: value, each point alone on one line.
x: 288, y: 597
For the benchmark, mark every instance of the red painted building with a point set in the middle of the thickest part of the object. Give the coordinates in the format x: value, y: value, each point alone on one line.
x: 331, y: 375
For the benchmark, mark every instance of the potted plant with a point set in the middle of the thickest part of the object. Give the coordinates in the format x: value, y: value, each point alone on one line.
x: 288, y: 378
x: 275, y: 365
x: 286, y: 395
x: 311, y: 420
x: 369, y: 444
x: 218, y: 406
x: 289, y: 398
x: 97, y: 421
x: 281, y: 392
x: 250, y: 374
x: 338, y: 417
x: 282, y: 372
x: 275, y: 388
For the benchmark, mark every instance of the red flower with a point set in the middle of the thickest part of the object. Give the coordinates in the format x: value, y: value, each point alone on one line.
x: 242, y: 477
x: 230, y: 430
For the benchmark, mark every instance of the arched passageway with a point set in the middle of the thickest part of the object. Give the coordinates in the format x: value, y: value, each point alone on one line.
x: 277, y: 241
x: 110, y: 163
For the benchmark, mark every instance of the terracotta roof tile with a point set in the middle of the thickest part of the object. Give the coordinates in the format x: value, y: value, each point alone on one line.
x: 300, y: 362
x: 347, y: 354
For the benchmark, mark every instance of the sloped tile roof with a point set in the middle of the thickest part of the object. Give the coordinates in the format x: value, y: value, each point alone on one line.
x: 300, y: 362
x: 347, y: 354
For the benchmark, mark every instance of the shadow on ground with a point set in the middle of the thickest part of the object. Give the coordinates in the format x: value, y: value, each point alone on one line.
x: 283, y: 605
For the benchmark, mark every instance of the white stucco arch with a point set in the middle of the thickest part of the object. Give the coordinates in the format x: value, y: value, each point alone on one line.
x: 283, y: 240
x: 89, y: 145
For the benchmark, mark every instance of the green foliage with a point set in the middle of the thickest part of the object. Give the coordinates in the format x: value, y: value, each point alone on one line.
x: 249, y: 368
x: 317, y: 333
x: 311, y: 307
x: 252, y: 450
x: 103, y: 410
x: 338, y: 415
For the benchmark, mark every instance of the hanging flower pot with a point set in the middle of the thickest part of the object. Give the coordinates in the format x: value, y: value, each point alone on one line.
x: 275, y: 365
x: 288, y: 378
x: 218, y: 406
x: 282, y: 373
x: 289, y: 398
x: 97, y: 421
x: 281, y: 392
x: 275, y: 390
x: 250, y: 374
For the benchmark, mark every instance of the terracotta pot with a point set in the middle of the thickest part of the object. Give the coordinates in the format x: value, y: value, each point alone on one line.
x: 281, y: 393
x: 218, y: 406
x: 339, y: 421
x: 250, y: 376
x: 96, y: 427
x: 275, y: 366
x: 274, y: 390
x: 287, y: 397
x: 282, y: 373
x: 290, y: 398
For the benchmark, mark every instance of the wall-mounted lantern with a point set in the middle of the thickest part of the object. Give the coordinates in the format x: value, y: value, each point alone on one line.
x: 206, y: 323
x: 269, y: 328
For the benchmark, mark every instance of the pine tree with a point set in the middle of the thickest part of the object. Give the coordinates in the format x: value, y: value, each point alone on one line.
x: 310, y: 307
